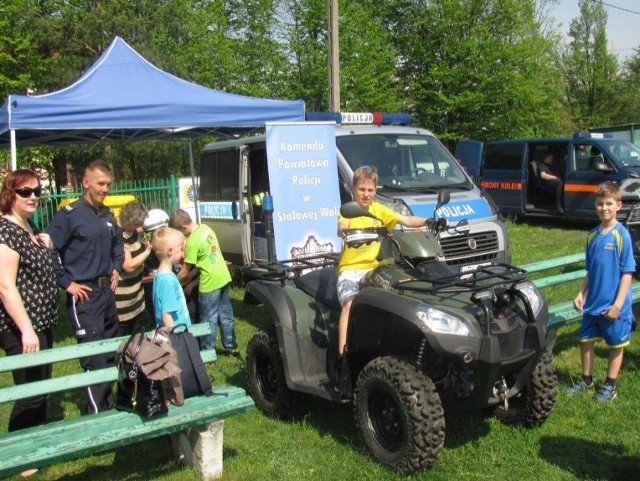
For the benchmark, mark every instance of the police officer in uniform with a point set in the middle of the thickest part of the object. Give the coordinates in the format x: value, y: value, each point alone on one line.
x: 88, y: 257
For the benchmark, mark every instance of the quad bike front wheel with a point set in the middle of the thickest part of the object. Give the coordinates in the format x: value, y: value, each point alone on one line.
x: 399, y: 415
x: 266, y: 383
x: 534, y: 404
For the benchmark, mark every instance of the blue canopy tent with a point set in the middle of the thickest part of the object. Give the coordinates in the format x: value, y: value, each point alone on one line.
x: 122, y: 98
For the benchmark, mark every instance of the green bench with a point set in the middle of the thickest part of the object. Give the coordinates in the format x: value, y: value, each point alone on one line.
x: 196, y: 427
x: 563, y: 312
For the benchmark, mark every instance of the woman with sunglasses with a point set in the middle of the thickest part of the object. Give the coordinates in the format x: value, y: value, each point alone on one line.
x: 28, y: 289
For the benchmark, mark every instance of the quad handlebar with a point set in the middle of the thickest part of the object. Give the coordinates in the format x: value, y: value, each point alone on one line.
x: 366, y: 235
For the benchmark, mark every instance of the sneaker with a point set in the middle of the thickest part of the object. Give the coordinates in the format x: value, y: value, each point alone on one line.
x: 606, y: 393
x: 579, y: 386
x: 233, y: 353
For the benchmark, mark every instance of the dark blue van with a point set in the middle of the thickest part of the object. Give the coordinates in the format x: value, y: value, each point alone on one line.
x: 509, y: 170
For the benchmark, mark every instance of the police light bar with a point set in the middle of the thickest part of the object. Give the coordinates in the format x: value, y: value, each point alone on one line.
x: 371, y: 118
x: 592, y: 135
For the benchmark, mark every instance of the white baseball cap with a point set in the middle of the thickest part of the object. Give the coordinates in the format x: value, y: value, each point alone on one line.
x: 155, y: 219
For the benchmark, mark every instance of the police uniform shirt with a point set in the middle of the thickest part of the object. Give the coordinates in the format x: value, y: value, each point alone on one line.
x: 87, y: 243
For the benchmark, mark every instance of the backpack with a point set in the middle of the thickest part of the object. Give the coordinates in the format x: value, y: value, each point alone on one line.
x: 194, y: 378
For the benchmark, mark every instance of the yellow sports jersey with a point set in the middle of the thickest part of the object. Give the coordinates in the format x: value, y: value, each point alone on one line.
x: 364, y: 257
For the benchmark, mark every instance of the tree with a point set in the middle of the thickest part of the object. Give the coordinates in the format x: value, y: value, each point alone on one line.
x: 20, y: 63
x: 625, y: 99
x: 476, y: 68
x: 305, y: 29
x: 368, y: 59
x: 69, y: 35
x: 589, y: 70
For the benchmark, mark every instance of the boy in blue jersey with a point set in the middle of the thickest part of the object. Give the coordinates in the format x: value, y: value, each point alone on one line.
x: 605, y: 295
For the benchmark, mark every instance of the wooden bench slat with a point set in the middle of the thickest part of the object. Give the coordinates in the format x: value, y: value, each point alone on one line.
x: 559, y: 278
x: 97, y: 423
x: 76, y: 351
x: 57, y: 384
x: 72, y: 381
x: 68, y: 439
x: 550, y: 263
x: 564, y: 313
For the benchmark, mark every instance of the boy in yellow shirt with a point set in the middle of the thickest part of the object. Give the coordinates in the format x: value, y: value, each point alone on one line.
x: 355, y: 262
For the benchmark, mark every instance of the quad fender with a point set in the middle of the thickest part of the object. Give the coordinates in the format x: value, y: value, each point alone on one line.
x: 382, y: 319
x: 282, y: 302
x: 283, y: 314
x: 275, y: 300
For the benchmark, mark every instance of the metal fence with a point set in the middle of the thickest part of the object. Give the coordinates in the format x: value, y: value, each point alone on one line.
x: 153, y: 193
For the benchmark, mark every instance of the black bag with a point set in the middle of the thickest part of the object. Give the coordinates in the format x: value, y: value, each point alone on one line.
x: 194, y: 377
x: 136, y: 392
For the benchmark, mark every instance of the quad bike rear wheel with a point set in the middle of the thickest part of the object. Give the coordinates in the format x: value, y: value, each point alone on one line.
x: 399, y: 415
x: 266, y: 382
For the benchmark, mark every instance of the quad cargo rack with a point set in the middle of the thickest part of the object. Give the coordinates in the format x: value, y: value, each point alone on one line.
x: 480, y: 279
x: 281, y: 271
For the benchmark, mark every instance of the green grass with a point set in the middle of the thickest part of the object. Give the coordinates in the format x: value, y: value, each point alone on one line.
x: 580, y: 440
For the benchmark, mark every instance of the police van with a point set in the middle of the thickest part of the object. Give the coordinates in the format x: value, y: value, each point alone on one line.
x: 509, y: 171
x: 413, y: 167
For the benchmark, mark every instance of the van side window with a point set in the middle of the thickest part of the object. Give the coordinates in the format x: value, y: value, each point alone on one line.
x: 504, y: 156
x: 595, y: 156
x: 219, y: 175
x: 581, y: 157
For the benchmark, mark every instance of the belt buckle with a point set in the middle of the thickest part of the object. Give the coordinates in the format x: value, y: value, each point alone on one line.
x: 103, y: 282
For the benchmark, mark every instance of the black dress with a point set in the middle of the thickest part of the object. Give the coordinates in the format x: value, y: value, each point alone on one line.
x: 36, y: 283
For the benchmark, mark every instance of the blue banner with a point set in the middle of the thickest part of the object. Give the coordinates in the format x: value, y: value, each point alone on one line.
x: 303, y: 174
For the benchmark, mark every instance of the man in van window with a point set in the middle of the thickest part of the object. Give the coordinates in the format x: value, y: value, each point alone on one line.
x: 550, y: 175
x: 582, y: 157
x: 595, y: 156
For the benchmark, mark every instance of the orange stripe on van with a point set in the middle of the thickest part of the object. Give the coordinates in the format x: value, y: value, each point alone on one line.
x: 580, y: 187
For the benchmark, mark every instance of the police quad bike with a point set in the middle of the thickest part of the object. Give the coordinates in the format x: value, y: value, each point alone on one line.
x: 419, y: 333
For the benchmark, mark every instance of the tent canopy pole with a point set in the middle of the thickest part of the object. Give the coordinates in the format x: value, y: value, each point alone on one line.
x: 14, y: 155
x: 193, y: 182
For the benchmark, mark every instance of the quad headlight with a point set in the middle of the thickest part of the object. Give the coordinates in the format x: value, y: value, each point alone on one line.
x: 442, y: 322
x: 533, y: 295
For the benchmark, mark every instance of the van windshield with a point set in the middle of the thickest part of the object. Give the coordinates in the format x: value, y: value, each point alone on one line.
x: 404, y: 162
x: 628, y: 154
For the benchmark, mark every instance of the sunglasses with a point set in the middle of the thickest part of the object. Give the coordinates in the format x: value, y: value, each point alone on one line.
x: 25, y: 192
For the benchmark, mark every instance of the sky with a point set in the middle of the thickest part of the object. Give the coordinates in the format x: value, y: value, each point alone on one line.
x: 623, y: 34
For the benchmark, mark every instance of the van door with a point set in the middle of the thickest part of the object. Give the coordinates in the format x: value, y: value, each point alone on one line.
x: 257, y: 186
x: 469, y: 154
x: 504, y: 175
x: 223, y: 204
x: 584, y: 173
